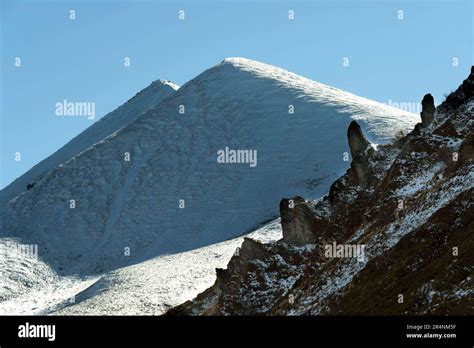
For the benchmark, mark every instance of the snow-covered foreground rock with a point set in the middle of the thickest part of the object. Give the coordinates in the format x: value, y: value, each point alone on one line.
x: 150, y: 287
x: 155, y: 186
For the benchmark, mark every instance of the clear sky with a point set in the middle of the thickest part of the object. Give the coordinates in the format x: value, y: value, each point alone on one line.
x: 390, y: 59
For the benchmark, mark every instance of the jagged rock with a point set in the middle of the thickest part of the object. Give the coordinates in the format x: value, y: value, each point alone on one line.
x: 357, y: 141
x: 228, y: 281
x: 297, y: 221
x: 302, y: 224
x: 358, y: 145
x: 427, y: 111
x: 463, y: 93
x: 418, y: 207
x: 250, y: 250
x: 417, y: 129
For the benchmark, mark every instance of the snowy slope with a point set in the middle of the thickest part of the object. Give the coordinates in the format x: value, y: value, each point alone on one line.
x: 147, y: 288
x: 134, y: 206
x: 110, y: 123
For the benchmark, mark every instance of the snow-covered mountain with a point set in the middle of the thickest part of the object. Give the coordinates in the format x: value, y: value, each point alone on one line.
x: 110, y: 123
x: 97, y: 211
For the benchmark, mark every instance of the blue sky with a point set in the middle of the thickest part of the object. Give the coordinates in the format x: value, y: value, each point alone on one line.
x: 82, y: 59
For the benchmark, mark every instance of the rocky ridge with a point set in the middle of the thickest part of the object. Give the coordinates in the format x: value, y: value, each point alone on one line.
x: 408, y: 203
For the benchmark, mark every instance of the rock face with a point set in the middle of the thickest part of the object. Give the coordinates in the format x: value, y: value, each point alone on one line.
x: 360, y: 152
x: 408, y: 204
x: 302, y: 224
x: 357, y: 141
x: 428, y: 110
x: 462, y: 94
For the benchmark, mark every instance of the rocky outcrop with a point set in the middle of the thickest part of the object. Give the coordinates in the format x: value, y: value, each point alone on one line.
x: 427, y: 111
x: 409, y: 204
x: 253, y: 267
x: 299, y: 223
x: 357, y: 142
x: 462, y: 94
x: 361, y: 150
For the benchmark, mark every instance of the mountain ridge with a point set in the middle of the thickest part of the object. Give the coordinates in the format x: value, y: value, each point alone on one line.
x: 110, y: 123
x: 408, y: 204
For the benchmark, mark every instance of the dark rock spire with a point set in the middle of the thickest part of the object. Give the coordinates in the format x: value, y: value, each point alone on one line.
x: 427, y: 111
x: 357, y: 141
x: 358, y: 145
